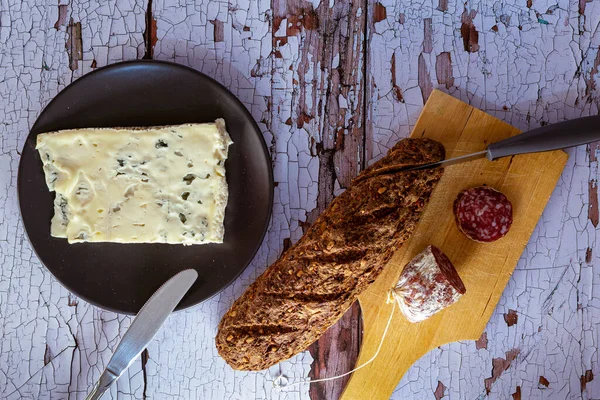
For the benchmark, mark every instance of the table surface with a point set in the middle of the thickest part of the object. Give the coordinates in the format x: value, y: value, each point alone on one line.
x: 333, y: 84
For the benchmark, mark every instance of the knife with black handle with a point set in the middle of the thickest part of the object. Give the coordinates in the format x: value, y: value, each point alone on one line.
x: 557, y: 136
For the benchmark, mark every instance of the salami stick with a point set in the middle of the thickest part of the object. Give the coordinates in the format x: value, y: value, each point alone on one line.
x: 427, y: 285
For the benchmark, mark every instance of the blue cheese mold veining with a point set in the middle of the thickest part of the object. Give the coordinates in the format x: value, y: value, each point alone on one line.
x: 138, y: 185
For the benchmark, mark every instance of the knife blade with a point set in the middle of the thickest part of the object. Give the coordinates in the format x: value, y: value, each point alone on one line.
x: 449, y: 161
x: 557, y: 136
x: 143, y: 328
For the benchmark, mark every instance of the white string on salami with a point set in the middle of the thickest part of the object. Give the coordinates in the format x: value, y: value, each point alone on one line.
x: 281, y: 382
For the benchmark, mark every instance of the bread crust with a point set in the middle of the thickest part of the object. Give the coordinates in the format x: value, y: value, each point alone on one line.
x: 318, y: 278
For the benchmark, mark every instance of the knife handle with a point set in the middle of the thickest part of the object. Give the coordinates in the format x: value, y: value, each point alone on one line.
x: 550, y: 137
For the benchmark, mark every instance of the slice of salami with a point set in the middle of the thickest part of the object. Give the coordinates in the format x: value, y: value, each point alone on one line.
x: 427, y: 285
x: 483, y: 214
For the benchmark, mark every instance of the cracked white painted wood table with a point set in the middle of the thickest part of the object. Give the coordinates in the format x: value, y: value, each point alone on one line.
x: 333, y: 85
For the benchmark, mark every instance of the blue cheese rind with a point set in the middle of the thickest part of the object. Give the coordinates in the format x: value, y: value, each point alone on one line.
x: 151, y: 185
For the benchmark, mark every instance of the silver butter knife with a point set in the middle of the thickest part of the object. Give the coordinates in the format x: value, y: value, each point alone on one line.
x: 143, y: 328
x: 547, y: 138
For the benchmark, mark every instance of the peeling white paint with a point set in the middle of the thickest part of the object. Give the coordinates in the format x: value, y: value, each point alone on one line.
x: 539, y: 73
x: 526, y: 72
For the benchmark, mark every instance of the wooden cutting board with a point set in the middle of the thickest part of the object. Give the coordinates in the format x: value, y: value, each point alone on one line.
x: 527, y: 180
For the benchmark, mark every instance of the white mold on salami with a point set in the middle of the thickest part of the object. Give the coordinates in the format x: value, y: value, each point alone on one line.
x: 427, y: 285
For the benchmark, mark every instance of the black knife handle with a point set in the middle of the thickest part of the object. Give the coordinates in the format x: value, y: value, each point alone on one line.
x: 550, y: 137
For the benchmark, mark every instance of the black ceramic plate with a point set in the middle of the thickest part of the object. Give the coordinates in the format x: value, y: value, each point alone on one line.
x: 121, y: 277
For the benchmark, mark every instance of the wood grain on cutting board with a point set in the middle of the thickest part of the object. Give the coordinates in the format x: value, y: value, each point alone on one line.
x: 527, y: 180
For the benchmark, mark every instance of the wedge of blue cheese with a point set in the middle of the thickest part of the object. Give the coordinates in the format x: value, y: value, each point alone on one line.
x: 147, y: 185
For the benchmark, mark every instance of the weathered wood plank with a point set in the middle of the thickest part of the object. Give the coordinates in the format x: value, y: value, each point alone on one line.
x: 335, y: 353
x: 536, y: 63
x: 298, y: 68
x: 51, y: 344
x: 232, y: 42
x: 330, y: 65
x: 527, y: 63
